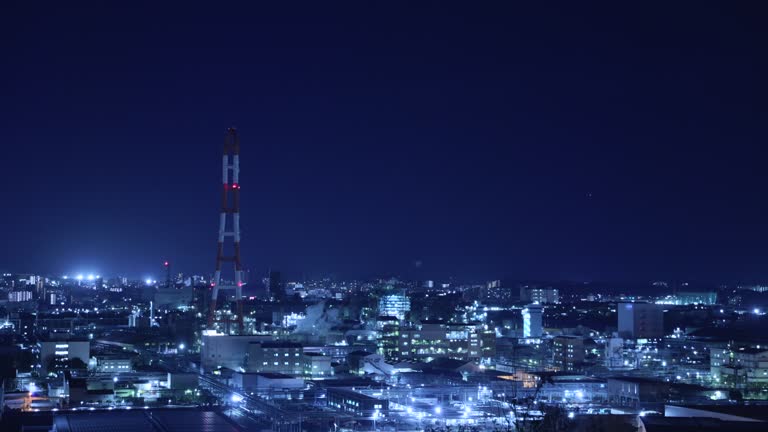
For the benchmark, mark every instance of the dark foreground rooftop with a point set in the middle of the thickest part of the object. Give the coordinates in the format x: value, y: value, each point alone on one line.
x: 698, y: 424
x: 139, y: 420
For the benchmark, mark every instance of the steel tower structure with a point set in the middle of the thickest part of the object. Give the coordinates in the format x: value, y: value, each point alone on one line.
x: 230, y: 163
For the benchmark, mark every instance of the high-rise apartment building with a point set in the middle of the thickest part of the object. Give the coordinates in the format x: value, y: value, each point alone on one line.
x: 641, y: 320
x: 532, y: 327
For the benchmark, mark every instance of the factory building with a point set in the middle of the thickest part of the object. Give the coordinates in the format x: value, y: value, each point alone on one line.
x: 276, y: 357
x: 227, y: 351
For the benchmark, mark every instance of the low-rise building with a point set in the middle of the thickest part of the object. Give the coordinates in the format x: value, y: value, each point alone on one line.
x: 276, y: 357
x: 113, y: 364
x: 745, y: 368
x: 636, y: 392
x: 568, y: 353
x: 357, y: 404
x: 435, y: 339
x: 267, y: 384
x: 317, y: 366
x: 227, y: 351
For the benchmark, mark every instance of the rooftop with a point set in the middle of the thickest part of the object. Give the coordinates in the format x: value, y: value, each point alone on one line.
x: 274, y: 375
x: 277, y: 344
x: 757, y: 412
x: 176, y: 420
x: 697, y: 424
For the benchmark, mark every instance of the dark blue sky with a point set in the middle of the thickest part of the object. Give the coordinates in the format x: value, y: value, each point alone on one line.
x: 483, y: 139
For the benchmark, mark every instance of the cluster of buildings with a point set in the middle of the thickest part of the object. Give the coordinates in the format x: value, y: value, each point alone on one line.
x: 382, y: 353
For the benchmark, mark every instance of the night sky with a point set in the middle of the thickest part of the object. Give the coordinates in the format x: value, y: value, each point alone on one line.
x: 474, y: 140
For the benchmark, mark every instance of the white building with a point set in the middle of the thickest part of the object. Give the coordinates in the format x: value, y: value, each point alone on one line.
x: 745, y: 368
x: 718, y: 357
x: 19, y: 296
x: 618, y: 356
x: 277, y: 357
x: 317, y: 366
x: 60, y: 352
x: 113, y: 365
x: 227, y: 351
x: 394, y: 305
x: 532, y: 327
x: 268, y: 384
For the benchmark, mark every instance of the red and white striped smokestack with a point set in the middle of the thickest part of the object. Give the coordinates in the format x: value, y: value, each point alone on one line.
x: 230, y: 163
